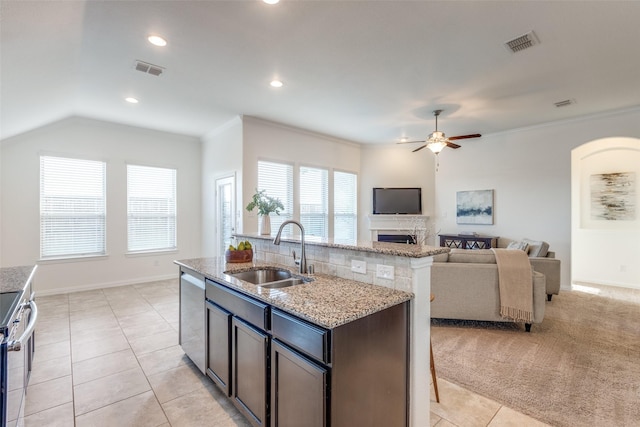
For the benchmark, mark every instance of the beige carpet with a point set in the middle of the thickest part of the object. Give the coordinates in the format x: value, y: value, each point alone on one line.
x: 579, y: 367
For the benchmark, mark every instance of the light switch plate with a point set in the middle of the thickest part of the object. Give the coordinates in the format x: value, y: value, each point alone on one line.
x: 385, y: 271
x: 358, y: 266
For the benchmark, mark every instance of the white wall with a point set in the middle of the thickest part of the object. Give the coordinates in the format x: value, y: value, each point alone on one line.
x: 117, y: 145
x: 221, y: 157
x: 265, y: 140
x: 605, y: 252
x: 530, y: 171
x: 395, y: 166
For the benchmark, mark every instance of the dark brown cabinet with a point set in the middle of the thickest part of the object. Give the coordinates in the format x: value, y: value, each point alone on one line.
x: 250, y: 352
x: 281, y: 370
x: 298, y: 389
x: 238, y: 349
x: 219, y: 346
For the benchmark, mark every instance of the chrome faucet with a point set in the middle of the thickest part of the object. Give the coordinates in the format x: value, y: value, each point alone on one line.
x: 303, y: 257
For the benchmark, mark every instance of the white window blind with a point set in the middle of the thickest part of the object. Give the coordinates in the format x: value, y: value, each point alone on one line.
x: 314, y: 201
x: 151, y: 208
x: 277, y: 180
x: 345, y: 205
x: 72, y: 207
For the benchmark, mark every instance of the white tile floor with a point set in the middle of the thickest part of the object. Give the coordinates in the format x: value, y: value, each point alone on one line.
x: 110, y: 357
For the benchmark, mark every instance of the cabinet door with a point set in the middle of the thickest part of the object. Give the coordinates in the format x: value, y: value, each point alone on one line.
x: 219, y: 346
x: 299, y: 389
x: 250, y: 361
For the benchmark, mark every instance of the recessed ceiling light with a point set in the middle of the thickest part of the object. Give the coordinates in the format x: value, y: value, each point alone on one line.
x: 270, y: 1
x: 131, y: 100
x: 404, y: 139
x: 276, y: 83
x: 157, y: 40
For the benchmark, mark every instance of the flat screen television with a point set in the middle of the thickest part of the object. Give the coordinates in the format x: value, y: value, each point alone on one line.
x: 395, y: 201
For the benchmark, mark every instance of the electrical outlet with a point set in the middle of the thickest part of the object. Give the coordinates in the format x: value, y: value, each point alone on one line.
x: 358, y: 266
x: 385, y: 271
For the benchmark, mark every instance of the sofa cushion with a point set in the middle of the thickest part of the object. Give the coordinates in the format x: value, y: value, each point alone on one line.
x: 523, y: 246
x: 537, y: 248
x: 476, y: 256
x: 441, y: 257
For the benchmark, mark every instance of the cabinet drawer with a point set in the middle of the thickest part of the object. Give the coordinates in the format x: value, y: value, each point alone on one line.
x: 249, y: 309
x: 306, y: 337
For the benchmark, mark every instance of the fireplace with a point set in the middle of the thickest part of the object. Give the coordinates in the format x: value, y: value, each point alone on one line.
x: 396, y: 228
x: 396, y: 238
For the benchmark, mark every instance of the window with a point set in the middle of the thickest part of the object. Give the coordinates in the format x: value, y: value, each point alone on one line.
x: 277, y: 180
x: 72, y: 207
x: 345, y: 205
x: 151, y: 208
x: 315, y: 197
x: 314, y: 201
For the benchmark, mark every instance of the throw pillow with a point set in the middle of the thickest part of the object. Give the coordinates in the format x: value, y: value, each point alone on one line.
x: 523, y: 246
x: 537, y: 248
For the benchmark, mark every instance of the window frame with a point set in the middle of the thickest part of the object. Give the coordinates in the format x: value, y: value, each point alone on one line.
x: 70, y: 256
x: 174, y: 216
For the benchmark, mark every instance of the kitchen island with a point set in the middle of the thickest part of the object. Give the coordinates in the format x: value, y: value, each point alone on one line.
x: 332, y: 261
x: 325, y: 352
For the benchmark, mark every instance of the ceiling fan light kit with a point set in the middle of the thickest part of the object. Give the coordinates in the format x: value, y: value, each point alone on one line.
x: 437, y: 140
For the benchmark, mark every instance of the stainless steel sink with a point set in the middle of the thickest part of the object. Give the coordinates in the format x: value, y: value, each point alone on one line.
x: 260, y: 276
x: 284, y: 283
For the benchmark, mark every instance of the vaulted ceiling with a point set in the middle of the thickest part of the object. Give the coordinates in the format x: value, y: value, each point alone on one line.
x: 365, y: 71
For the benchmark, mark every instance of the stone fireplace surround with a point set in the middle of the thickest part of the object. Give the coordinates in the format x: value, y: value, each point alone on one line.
x: 400, y: 225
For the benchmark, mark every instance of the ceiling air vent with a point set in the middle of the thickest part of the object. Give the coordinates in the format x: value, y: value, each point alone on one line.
x: 523, y: 42
x: 145, y: 67
x: 564, y: 103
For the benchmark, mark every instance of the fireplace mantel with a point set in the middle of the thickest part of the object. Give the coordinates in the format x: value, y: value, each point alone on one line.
x: 395, y: 224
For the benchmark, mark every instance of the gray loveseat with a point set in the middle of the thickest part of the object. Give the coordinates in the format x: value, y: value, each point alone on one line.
x: 465, y: 286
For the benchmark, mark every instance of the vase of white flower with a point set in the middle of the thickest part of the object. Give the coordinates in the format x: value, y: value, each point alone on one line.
x: 265, y: 205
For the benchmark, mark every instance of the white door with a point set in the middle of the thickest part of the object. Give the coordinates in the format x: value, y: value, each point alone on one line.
x: 225, y: 211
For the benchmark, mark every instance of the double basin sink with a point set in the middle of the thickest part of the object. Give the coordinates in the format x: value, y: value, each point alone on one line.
x: 269, y: 278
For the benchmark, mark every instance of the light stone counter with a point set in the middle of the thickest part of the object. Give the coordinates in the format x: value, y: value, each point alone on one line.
x: 326, y: 301
x: 15, y: 278
x: 384, y: 248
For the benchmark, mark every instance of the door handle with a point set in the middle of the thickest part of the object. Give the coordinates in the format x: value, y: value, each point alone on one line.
x: 16, y: 345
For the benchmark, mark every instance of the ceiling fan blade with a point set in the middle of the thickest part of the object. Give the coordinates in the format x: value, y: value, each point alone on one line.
x: 419, y: 148
x: 452, y: 145
x: 473, y: 135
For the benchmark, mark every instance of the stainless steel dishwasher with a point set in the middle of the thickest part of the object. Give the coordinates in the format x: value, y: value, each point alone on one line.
x: 192, y: 318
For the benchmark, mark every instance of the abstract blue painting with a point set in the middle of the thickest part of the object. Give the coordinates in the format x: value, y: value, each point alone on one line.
x: 474, y: 207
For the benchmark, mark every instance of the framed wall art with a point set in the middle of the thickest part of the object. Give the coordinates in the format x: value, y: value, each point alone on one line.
x: 474, y: 207
x: 613, y: 196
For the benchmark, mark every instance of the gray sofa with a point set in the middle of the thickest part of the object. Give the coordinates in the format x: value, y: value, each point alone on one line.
x: 465, y: 286
x: 542, y: 260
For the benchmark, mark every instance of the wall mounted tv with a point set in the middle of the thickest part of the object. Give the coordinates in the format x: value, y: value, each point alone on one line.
x: 394, y: 201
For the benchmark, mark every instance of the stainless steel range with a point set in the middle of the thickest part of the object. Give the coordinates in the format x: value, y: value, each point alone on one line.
x: 18, y: 317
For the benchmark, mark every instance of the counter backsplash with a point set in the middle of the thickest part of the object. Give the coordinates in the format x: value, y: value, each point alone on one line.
x: 337, y: 262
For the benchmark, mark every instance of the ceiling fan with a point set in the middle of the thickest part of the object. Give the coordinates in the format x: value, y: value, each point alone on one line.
x: 437, y: 140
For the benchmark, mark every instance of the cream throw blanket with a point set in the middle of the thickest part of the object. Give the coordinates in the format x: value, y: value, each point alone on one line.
x: 516, y: 284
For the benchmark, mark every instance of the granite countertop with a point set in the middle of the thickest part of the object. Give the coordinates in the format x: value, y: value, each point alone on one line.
x: 15, y: 278
x: 13, y: 282
x: 398, y: 249
x: 327, y: 301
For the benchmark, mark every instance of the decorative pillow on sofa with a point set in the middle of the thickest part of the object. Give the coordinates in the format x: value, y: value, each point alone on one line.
x: 537, y: 248
x: 479, y: 256
x: 523, y: 246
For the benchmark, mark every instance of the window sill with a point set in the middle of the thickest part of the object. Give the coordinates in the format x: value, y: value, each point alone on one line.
x: 150, y: 253
x: 63, y: 260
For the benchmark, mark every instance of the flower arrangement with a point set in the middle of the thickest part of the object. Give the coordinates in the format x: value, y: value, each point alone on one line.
x: 265, y: 204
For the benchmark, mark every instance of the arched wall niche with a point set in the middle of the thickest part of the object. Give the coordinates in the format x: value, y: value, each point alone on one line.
x: 605, y: 206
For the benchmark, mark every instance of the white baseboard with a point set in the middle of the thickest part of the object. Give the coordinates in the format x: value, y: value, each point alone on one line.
x: 93, y: 286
